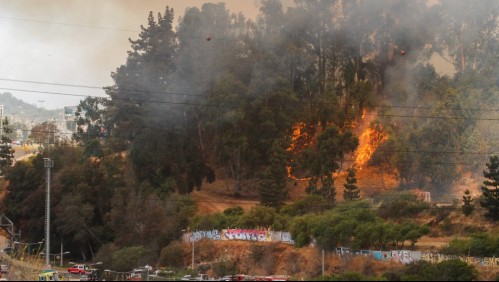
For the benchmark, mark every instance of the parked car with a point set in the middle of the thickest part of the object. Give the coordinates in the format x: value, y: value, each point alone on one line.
x: 79, y: 269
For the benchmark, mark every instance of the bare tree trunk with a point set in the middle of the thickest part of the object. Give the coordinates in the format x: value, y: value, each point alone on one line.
x: 201, y: 140
x: 461, y: 48
x: 91, y: 250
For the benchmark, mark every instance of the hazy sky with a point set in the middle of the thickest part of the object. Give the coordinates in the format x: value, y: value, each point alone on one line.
x: 78, y: 42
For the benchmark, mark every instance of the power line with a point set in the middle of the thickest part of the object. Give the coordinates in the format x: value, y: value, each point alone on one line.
x: 385, y: 151
x: 235, y: 106
x: 103, y: 88
x: 202, y: 95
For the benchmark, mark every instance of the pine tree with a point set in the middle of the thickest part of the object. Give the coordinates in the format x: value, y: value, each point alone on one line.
x: 6, y: 151
x: 274, y: 177
x: 351, y: 192
x: 490, y: 189
x: 467, y: 207
x: 327, y: 190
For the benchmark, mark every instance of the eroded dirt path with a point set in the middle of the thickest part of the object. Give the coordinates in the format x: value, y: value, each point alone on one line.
x: 209, y: 202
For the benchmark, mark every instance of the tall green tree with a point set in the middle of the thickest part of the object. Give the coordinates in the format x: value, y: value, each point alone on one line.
x: 468, y: 206
x: 6, y: 151
x: 351, y: 192
x: 467, y: 32
x: 92, y: 130
x: 490, y: 189
x: 324, y: 158
x: 274, y: 177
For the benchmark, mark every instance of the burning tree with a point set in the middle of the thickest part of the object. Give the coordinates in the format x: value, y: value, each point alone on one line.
x: 323, y: 159
x: 370, y: 139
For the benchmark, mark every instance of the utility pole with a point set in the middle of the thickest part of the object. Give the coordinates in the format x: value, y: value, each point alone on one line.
x: 61, y: 253
x: 193, y: 254
x: 48, y: 165
x: 322, y: 262
x: 1, y: 121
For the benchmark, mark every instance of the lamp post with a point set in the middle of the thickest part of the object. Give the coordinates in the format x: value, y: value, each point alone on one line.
x: 48, y: 163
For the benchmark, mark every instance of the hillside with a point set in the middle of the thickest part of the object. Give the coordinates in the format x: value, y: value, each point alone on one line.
x: 28, y: 113
x: 372, y: 180
x: 261, y: 259
x: 300, y: 263
x: 280, y: 259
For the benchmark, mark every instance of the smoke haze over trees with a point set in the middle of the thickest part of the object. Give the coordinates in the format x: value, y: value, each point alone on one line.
x: 217, y: 95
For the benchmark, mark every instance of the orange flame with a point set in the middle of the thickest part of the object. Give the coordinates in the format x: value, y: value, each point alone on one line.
x: 369, y: 141
x: 299, y: 140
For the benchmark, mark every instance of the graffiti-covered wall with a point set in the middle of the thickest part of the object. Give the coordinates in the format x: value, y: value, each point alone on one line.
x: 402, y: 256
x: 256, y: 235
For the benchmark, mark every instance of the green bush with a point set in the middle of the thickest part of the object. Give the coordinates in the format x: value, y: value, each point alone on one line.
x: 224, y: 268
x: 172, y: 255
x: 449, y: 270
x: 127, y: 258
x: 480, y: 245
x: 402, y: 205
x: 472, y: 229
x: 234, y: 211
x: 217, y: 221
x: 262, y: 217
x: 355, y: 225
x: 447, y: 227
x: 309, y: 204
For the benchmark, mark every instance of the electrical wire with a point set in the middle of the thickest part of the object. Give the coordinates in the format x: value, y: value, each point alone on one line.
x: 202, y: 95
x: 235, y: 106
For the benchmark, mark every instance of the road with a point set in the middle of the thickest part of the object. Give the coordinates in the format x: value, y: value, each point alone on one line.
x: 22, y: 152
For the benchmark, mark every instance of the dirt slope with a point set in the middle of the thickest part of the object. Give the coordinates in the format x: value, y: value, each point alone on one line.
x: 219, y: 195
x: 253, y: 258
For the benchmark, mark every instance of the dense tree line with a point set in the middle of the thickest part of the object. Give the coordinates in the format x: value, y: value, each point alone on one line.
x: 219, y: 95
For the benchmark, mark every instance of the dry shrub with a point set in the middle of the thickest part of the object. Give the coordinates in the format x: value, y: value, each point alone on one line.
x: 205, y: 250
x: 257, y: 252
x: 269, y: 258
x: 293, y: 261
x: 368, y: 266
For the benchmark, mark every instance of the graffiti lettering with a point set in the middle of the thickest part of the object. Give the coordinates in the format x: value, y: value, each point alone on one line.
x: 286, y: 238
x: 247, y: 235
x: 198, y: 235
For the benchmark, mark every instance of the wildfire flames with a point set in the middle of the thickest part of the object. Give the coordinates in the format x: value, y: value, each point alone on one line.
x: 369, y: 141
x: 300, y: 139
